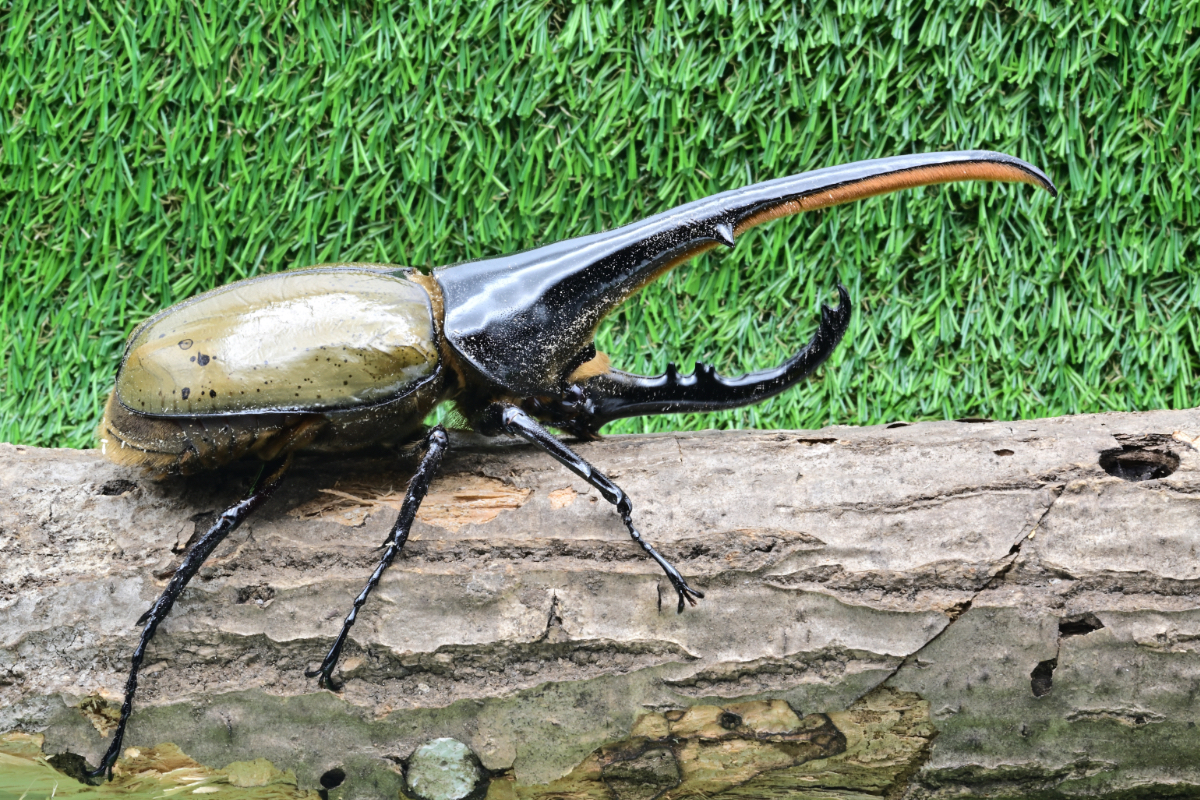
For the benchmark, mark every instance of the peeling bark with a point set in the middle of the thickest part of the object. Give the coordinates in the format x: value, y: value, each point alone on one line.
x: 1012, y: 605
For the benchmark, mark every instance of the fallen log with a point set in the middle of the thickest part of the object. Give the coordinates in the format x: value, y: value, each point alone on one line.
x: 951, y: 609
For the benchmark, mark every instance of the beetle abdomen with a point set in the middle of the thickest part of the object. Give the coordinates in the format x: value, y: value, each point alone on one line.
x: 312, y: 340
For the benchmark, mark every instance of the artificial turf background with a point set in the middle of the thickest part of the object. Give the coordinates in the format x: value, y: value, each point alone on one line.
x: 155, y: 149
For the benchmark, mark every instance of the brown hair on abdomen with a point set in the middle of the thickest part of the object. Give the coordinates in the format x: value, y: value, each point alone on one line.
x: 187, y: 445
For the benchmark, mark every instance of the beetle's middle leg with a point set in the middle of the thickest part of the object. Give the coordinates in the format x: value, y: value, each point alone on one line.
x: 513, y: 420
x: 436, y: 443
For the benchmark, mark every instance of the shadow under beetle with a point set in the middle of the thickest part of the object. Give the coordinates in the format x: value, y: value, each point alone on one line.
x: 337, y: 358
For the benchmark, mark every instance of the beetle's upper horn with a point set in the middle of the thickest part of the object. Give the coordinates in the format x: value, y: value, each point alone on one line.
x: 522, y: 320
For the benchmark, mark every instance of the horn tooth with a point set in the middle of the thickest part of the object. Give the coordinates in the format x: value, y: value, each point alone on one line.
x: 723, y: 231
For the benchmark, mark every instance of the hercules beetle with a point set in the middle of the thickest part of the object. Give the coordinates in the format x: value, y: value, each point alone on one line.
x: 335, y: 358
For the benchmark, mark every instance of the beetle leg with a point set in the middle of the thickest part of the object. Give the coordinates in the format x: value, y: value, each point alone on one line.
x: 225, y: 524
x: 436, y: 444
x: 513, y: 420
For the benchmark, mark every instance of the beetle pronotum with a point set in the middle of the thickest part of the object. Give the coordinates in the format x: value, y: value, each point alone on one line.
x: 335, y: 358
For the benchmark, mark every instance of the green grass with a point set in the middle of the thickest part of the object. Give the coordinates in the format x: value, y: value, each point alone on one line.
x: 152, y: 150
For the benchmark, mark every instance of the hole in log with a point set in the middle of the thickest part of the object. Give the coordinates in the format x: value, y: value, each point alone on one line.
x: 1003, y: 452
x: 642, y: 777
x: 1042, y: 677
x: 117, y: 487
x: 729, y: 721
x: 1080, y: 625
x: 260, y: 595
x: 333, y: 778
x: 72, y: 765
x: 974, y: 419
x: 1133, y: 463
x: 897, y: 425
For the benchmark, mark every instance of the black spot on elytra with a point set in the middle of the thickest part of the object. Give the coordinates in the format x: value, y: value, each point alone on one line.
x: 212, y: 392
x: 184, y: 392
x: 201, y: 359
x: 184, y: 344
x: 193, y: 358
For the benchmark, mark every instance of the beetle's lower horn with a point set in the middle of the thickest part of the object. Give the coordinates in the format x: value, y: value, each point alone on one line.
x: 619, y: 394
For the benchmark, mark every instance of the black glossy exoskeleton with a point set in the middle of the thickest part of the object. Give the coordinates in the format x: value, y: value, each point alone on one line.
x: 338, y: 357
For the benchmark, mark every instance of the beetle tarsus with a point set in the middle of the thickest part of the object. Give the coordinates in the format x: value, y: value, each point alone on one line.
x: 685, y: 592
x: 195, y: 557
x: 512, y: 420
x: 436, y: 443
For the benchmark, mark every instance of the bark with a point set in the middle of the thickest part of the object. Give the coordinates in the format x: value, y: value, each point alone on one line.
x: 932, y: 610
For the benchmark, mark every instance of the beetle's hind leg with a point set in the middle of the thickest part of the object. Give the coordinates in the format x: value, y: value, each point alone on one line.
x: 436, y: 443
x: 513, y: 420
x: 192, y: 561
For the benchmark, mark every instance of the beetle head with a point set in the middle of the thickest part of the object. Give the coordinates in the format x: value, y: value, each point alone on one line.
x: 524, y: 323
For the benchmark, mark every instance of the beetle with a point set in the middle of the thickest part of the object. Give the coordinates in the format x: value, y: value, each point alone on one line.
x: 338, y: 357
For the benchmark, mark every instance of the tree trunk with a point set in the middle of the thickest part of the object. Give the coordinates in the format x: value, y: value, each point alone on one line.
x: 930, y: 610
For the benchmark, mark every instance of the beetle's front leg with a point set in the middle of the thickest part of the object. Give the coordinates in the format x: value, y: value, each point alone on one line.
x: 513, y: 420
x: 436, y: 443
